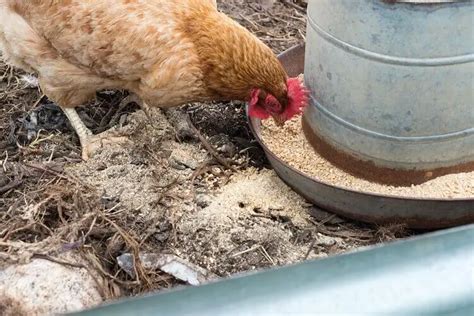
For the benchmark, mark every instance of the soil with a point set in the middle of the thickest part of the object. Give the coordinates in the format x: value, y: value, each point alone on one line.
x: 162, y: 193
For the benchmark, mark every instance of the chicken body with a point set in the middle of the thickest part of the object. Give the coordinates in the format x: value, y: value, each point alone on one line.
x: 166, y: 52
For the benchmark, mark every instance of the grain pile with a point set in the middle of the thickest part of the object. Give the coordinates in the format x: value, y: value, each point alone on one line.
x: 290, y: 144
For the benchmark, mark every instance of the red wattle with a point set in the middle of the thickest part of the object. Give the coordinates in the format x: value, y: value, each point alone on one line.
x: 255, y: 110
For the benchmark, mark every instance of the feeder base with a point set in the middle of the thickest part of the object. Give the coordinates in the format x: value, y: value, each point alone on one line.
x: 370, y: 171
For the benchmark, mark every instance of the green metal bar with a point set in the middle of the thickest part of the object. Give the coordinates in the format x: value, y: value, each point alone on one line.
x: 432, y: 274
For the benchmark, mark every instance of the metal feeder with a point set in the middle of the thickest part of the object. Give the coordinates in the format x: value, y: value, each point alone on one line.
x: 374, y: 208
x: 392, y: 87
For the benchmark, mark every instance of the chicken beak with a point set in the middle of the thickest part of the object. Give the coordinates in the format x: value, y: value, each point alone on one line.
x: 279, y: 120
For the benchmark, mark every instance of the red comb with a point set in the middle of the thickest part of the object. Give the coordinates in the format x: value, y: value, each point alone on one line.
x: 298, y: 98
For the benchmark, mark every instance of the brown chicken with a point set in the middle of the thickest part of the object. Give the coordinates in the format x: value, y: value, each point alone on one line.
x: 166, y: 52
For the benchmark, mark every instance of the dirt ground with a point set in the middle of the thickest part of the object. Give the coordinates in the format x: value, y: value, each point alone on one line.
x: 163, y: 193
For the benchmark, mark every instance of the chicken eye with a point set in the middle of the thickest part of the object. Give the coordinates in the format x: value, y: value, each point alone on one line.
x: 272, y: 105
x: 276, y: 108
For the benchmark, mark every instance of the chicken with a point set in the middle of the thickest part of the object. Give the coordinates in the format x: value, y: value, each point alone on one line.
x: 167, y: 53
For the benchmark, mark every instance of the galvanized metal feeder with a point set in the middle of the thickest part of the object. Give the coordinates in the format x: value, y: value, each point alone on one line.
x: 392, y: 101
x: 392, y: 87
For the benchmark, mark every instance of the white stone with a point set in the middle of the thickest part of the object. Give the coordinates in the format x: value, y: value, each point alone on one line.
x: 42, y: 287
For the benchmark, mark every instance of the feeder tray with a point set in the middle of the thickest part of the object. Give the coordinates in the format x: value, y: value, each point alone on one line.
x: 416, y: 213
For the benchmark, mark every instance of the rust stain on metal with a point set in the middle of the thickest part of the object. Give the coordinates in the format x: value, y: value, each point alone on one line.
x: 368, y: 170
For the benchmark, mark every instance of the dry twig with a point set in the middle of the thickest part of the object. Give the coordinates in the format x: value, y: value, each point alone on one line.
x: 224, y: 162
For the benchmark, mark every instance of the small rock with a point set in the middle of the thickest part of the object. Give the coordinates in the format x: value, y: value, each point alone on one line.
x: 125, y: 262
x: 177, y: 118
x: 32, y: 125
x: 175, y: 165
x: 223, y: 145
x: 161, y: 236
x: 326, y: 241
x: 162, y: 231
x: 171, y: 264
x: 228, y: 149
x: 181, y: 160
x: 203, y: 200
x: 101, y: 166
x: 138, y: 160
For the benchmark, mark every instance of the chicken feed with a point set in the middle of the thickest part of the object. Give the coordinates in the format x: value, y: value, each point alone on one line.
x: 290, y: 144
